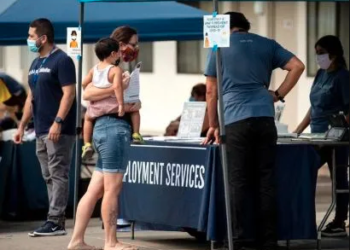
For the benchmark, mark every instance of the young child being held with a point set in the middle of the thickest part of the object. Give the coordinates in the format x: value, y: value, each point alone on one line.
x: 104, y: 75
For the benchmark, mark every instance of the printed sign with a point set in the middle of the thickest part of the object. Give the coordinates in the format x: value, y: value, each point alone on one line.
x: 73, y: 42
x: 192, y: 119
x: 216, y: 31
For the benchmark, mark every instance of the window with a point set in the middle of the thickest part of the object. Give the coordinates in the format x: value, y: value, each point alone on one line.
x: 191, y: 56
x: 146, y: 56
x: 326, y: 18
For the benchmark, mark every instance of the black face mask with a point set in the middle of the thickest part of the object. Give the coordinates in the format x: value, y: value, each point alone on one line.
x: 117, y: 62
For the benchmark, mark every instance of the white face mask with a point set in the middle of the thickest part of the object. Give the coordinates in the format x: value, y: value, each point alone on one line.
x: 74, y: 38
x: 324, y: 61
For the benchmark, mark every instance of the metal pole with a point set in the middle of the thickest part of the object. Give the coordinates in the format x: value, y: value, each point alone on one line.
x: 78, y: 118
x: 223, y: 142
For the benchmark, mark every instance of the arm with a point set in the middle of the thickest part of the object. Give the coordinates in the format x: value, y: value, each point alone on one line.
x: 91, y: 93
x: 27, y: 112
x: 66, y: 101
x: 212, y: 102
x: 284, y: 59
x: 118, y: 85
x: 295, y: 69
x: 304, y: 123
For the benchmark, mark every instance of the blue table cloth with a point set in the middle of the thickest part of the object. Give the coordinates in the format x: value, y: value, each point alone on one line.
x: 179, y: 185
x: 177, y: 195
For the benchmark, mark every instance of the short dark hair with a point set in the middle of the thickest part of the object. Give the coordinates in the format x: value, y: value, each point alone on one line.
x: 104, y: 47
x: 333, y: 46
x: 199, y: 89
x: 238, y: 20
x: 44, y: 27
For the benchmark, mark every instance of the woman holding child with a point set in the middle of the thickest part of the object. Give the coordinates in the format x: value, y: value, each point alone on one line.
x: 103, y: 86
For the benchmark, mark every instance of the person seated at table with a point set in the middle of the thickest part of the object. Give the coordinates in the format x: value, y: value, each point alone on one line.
x: 330, y: 95
x: 198, y: 94
x: 12, y: 97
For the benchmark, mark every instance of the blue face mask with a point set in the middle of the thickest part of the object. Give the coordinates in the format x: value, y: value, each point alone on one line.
x: 32, y: 46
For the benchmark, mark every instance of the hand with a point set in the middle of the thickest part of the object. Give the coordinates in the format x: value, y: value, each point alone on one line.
x: 121, y: 111
x: 275, y: 99
x: 18, y: 137
x: 136, y: 107
x: 55, y: 132
x: 297, y: 131
x: 126, y: 79
x: 212, y: 136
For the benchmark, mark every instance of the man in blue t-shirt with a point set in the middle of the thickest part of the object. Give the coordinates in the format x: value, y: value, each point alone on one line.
x: 51, y: 101
x: 251, y: 134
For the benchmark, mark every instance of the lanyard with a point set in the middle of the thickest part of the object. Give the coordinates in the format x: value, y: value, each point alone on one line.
x: 36, y: 71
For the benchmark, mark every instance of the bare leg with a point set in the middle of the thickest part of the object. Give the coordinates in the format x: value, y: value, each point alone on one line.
x: 112, y: 184
x: 85, y: 209
x: 88, y: 128
x: 136, y: 121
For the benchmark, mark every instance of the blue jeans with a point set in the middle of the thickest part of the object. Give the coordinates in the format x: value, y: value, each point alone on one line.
x: 111, y: 140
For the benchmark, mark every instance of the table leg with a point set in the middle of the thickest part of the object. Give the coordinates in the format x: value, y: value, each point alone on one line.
x: 133, y: 230
x: 334, y: 199
x: 288, y: 244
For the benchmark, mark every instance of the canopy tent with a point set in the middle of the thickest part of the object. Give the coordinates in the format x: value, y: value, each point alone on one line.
x: 162, y: 21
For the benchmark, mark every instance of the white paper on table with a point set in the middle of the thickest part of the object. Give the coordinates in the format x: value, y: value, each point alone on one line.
x: 192, y: 119
x: 132, y: 93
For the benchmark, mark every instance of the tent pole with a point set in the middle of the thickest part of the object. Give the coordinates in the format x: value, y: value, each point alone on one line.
x: 223, y: 142
x: 78, y: 118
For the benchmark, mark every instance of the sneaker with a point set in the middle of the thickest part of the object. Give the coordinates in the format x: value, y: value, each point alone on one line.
x: 137, y: 138
x: 334, y: 229
x: 88, y: 151
x: 49, y: 229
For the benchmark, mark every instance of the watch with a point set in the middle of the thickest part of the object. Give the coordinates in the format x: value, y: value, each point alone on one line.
x: 279, y: 97
x: 58, y: 120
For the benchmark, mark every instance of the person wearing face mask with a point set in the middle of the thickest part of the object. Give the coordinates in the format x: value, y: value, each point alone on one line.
x: 73, y: 43
x: 251, y: 134
x: 197, y: 95
x: 330, y: 95
x: 111, y: 137
x: 51, y: 102
x: 128, y: 52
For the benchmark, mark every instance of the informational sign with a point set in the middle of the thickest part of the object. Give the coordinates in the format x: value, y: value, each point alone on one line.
x: 216, y: 31
x: 73, y: 42
x: 132, y: 93
x: 192, y: 119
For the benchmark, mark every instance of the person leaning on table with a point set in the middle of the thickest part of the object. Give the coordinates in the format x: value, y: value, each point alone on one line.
x: 330, y: 95
x: 251, y: 134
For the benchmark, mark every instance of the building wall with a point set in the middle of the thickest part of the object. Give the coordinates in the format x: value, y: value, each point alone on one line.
x: 164, y: 91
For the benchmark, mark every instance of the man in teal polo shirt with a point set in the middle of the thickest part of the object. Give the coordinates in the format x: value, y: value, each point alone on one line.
x: 251, y: 134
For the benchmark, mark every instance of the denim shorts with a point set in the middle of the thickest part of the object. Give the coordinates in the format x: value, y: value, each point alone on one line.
x: 111, y: 140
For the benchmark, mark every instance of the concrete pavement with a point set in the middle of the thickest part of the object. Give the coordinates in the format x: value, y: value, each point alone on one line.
x: 13, y: 235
